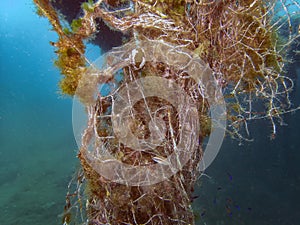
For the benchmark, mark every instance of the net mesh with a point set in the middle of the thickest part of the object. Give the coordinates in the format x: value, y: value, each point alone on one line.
x: 246, y: 45
x: 140, y: 151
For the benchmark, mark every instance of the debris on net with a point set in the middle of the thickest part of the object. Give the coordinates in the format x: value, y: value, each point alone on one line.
x: 239, y: 47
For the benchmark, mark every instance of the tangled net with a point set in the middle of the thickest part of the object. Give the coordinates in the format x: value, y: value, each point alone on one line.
x: 142, y: 138
x: 243, y: 45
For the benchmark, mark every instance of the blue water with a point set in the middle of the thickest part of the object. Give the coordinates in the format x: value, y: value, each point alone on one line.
x: 257, y: 183
x: 37, y: 150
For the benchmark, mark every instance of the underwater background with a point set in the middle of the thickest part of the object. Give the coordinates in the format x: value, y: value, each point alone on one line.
x: 253, y: 183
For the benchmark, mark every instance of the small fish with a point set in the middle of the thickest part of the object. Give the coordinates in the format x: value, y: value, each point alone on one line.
x: 249, y: 209
x: 215, y: 200
x: 161, y: 160
x: 229, y: 176
x: 229, y: 200
x: 219, y: 188
x: 228, y: 210
x: 195, y: 197
x: 203, y: 213
x: 237, y: 207
x: 275, y: 165
x: 237, y: 3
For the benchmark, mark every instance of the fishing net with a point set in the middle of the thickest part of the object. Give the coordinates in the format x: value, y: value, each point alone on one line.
x: 144, y: 130
x: 156, y: 108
